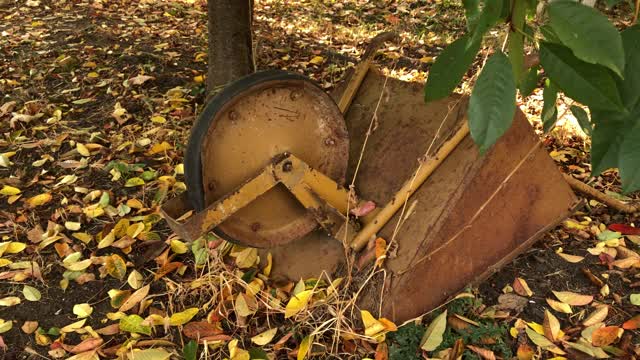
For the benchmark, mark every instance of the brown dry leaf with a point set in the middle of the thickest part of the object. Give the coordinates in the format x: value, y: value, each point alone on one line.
x: 29, y: 327
x: 201, y: 329
x: 521, y: 287
x: 86, y: 345
x: 572, y: 298
x: 140, y: 79
x: 605, y: 335
x: 598, y: 315
x: 484, y: 353
x: 571, y: 258
x: 135, y: 298
x: 551, y: 326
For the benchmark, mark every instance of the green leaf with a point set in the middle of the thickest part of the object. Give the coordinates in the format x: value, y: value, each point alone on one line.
x: 471, y: 12
x: 256, y: 353
x: 592, y: 85
x: 629, y: 160
x: 447, y: 71
x: 605, y: 146
x: 549, y: 34
x: 630, y: 86
x: 133, y: 324
x: 492, y: 104
x: 549, y: 114
x: 491, y: 13
x: 190, y: 350
x: 583, y: 119
x: 588, y: 33
x: 635, y: 299
x: 30, y: 293
x: 529, y: 81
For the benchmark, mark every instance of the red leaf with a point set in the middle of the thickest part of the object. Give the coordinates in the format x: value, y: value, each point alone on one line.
x: 624, y: 229
x: 632, y: 324
x: 200, y: 329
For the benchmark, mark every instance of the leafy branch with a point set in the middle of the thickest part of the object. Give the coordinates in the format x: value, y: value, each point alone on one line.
x: 582, y: 55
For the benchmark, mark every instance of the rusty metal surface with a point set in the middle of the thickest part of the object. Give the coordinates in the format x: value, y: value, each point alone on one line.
x: 269, y: 118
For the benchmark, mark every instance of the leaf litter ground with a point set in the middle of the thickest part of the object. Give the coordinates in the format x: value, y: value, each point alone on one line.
x: 97, y: 100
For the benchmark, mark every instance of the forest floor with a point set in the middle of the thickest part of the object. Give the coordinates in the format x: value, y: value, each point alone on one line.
x: 96, y: 102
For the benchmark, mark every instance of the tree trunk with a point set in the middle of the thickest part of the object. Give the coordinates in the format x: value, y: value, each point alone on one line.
x: 230, y: 46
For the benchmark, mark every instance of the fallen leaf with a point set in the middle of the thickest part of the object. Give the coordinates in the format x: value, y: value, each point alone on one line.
x: 82, y: 150
x: 86, y: 345
x: 598, y: 315
x: 635, y: 299
x: 551, y: 326
x: 521, y: 287
x: 572, y: 298
x: 371, y: 325
x: 140, y: 79
x: 632, y: 324
x: 39, y: 200
x: 5, y: 326
x: 624, y: 229
x: 543, y: 342
x: 183, y: 317
x: 133, y: 324
x: 135, y: 298
x: 135, y: 280
x: 134, y: 181
x: 305, y: 346
x: 264, y: 337
x: 200, y: 329
x: 29, y: 327
x: 148, y: 354
x: 571, y: 258
x: 115, y: 266
x: 9, y: 301
x: 559, y: 306
x: 82, y: 310
x: 432, y: 337
x: 297, y: 303
x: 9, y: 190
x: 605, y: 335
x: 484, y: 353
x: 30, y: 293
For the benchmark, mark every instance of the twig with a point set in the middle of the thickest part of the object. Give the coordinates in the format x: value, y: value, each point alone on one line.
x: 591, y: 192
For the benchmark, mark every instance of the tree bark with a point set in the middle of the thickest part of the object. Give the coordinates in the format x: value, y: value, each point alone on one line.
x: 230, y: 45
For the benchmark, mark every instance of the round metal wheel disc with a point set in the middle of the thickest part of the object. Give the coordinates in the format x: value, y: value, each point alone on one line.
x: 239, y: 133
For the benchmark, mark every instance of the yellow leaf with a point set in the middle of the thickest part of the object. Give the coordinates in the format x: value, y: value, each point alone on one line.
x: 93, y: 211
x: 5, y: 262
x: 543, y: 342
x: 31, y: 294
x: 134, y: 181
x: 82, y: 236
x: 73, y: 326
x: 9, y: 301
x: 115, y: 266
x: 264, y: 337
x: 572, y: 298
x: 242, y: 307
x: 183, y: 317
x: 158, y: 148
x: 572, y: 224
x: 73, y: 226
x: 93, y: 75
x: 9, y: 190
x: 305, y: 346
x: 82, y: 310
x: 247, y: 258
x: 158, y: 119
x: 14, y: 247
x: 297, y: 303
x: 78, y: 265
x: 236, y: 352
x: 536, y: 327
x: 198, y: 79
x: 371, y: 325
x: 521, y: 287
x: 82, y: 150
x: 147, y: 354
x: 317, y: 60
x: 106, y: 241
x: 135, y: 279
x: 426, y: 59
x: 179, y: 169
x: 5, y: 326
x: 598, y: 315
x: 432, y: 337
x: 560, y: 306
x: 39, y: 200
x: 135, y: 229
x: 179, y: 247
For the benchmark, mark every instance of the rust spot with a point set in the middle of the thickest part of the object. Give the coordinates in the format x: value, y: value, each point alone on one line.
x: 233, y: 115
x: 211, y: 185
x: 255, y: 226
x: 295, y: 94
